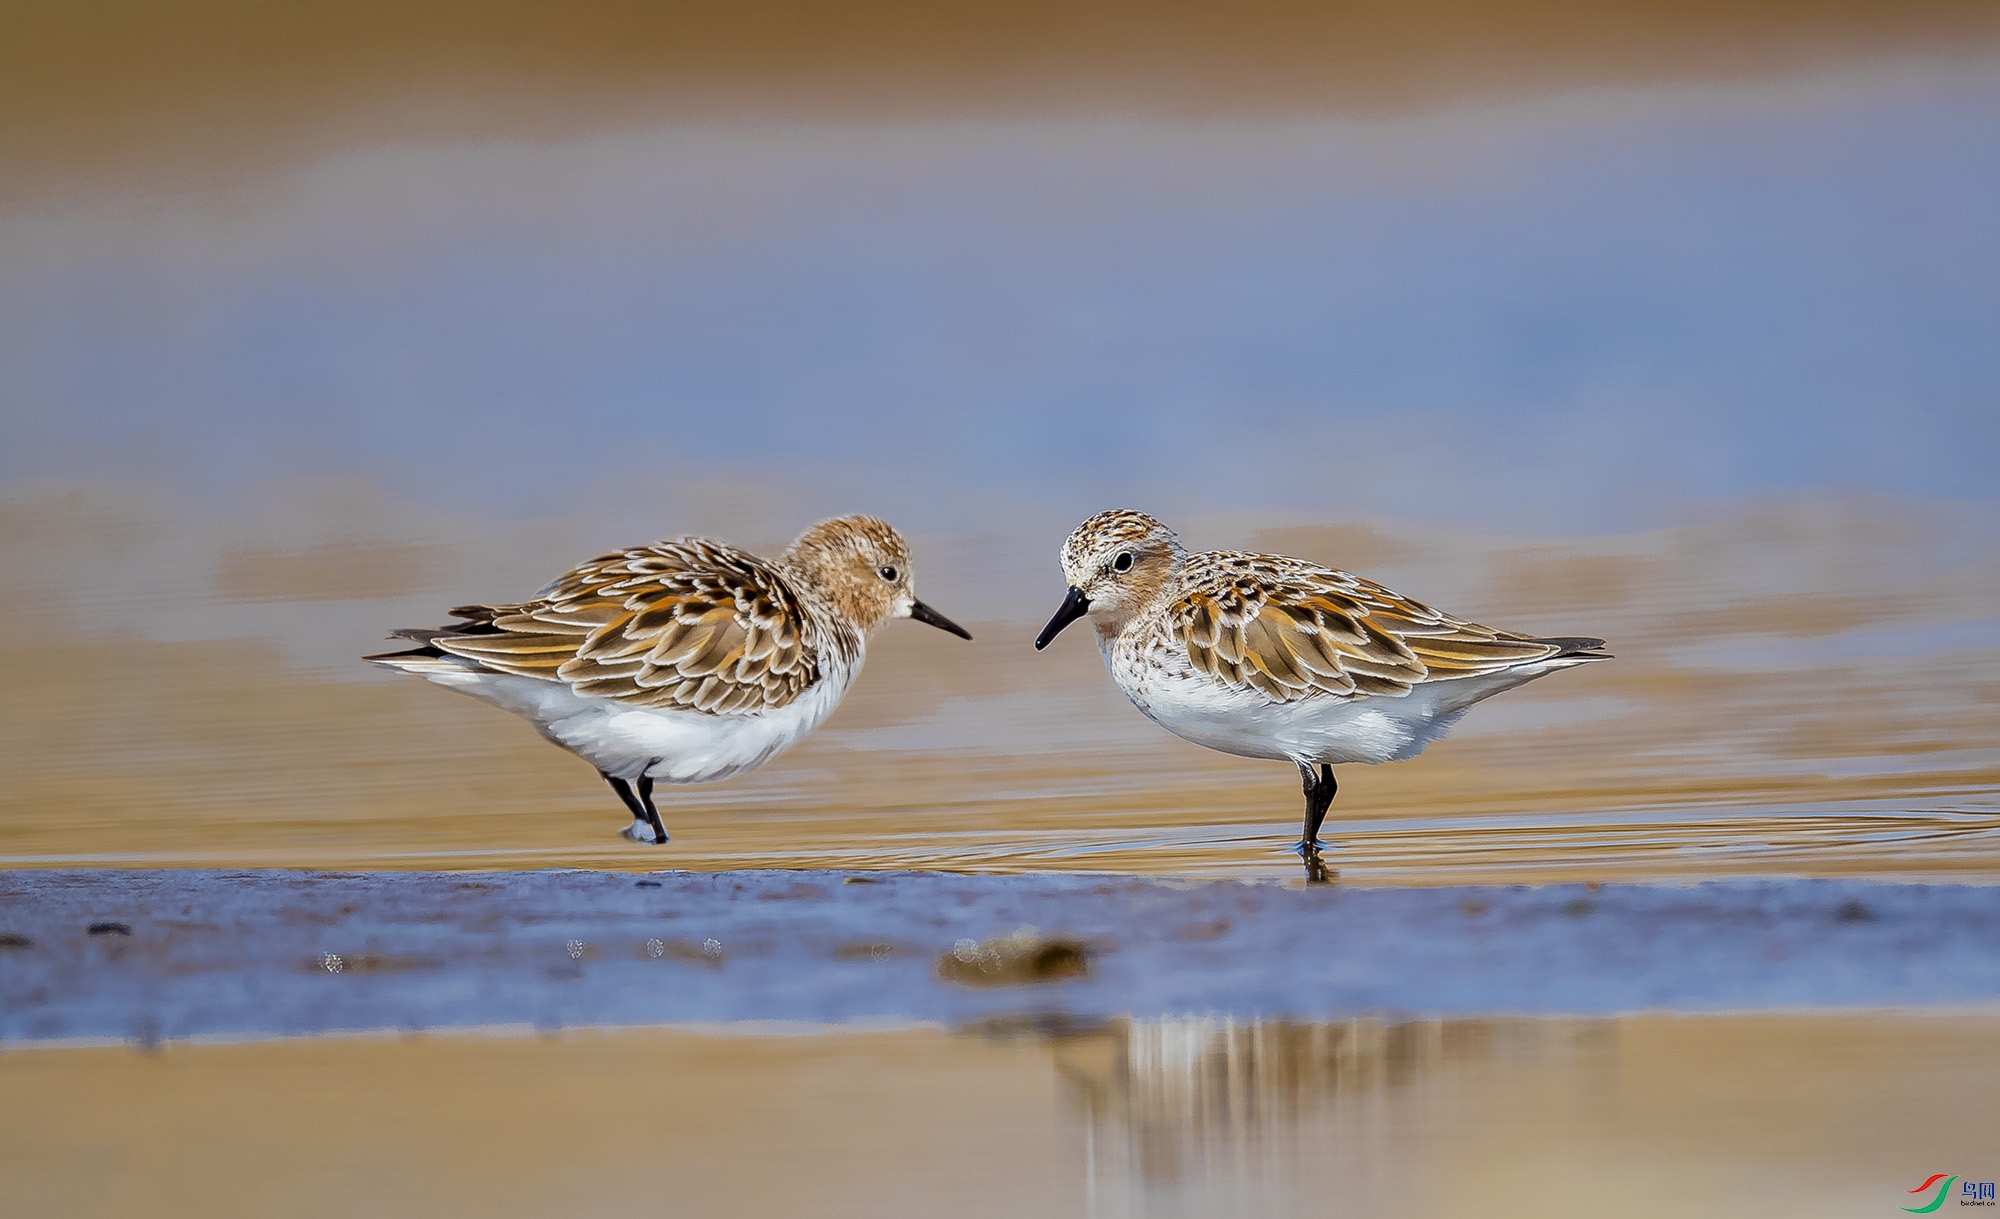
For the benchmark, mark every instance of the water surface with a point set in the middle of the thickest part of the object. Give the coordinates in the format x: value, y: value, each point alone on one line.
x: 1802, y: 689
x: 1721, y: 1116
x: 1666, y: 322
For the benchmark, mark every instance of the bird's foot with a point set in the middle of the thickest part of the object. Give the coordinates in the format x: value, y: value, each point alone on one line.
x: 641, y: 831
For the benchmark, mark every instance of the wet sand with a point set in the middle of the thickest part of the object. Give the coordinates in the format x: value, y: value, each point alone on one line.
x: 147, y: 956
x: 1799, y: 690
x: 1829, y: 715
x: 1659, y: 1115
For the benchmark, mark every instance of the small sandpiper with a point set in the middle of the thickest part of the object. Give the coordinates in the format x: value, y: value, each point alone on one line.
x: 682, y: 661
x: 1265, y: 656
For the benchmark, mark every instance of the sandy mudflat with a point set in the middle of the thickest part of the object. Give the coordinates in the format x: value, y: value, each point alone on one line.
x: 1827, y: 715
x: 1644, y: 1116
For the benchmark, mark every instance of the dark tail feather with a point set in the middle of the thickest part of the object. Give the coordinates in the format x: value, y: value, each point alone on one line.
x: 476, y: 620
x: 425, y: 652
x: 1577, y: 645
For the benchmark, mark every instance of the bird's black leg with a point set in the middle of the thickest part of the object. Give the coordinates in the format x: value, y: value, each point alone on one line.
x: 1320, y: 801
x: 1319, y: 789
x: 624, y: 791
x: 653, y: 814
x: 1311, y: 777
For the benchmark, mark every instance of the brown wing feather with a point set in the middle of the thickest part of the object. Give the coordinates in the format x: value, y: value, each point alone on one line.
x: 689, y: 625
x: 1291, y: 630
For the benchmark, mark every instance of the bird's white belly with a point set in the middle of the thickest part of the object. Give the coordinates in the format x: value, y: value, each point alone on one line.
x: 1318, y: 729
x: 670, y: 746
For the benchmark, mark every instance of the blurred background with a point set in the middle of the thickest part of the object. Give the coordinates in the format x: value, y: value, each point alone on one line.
x: 1670, y: 321
x: 1667, y: 322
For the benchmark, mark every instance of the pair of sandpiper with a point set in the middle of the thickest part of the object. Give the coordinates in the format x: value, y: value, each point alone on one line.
x: 687, y: 661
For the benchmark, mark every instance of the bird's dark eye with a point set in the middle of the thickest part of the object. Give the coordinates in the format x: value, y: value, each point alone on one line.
x: 1123, y: 562
x: 889, y: 573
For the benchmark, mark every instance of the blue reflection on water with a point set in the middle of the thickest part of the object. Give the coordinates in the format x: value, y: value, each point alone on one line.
x: 1571, y: 313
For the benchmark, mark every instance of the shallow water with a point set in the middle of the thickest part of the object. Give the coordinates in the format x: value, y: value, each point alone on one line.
x: 1663, y: 322
x: 1799, y: 689
x: 1646, y: 1115
x: 147, y: 956
x: 1660, y: 323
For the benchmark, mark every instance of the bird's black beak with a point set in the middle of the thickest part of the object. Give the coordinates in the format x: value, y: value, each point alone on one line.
x: 1074, y: 606
x: 924, y: 613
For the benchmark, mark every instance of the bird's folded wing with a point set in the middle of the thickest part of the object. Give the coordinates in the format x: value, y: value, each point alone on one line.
x: 1315, y: 631
x: 685, y: 625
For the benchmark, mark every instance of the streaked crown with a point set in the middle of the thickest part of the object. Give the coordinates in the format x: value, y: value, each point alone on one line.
x: 859, y: 565
x: 847, y: 537
x: 1094, y: 545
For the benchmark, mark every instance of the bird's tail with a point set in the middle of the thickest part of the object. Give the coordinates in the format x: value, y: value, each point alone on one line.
x: 427, y: 658
x: 1577, y: 647
x: 424, y: 662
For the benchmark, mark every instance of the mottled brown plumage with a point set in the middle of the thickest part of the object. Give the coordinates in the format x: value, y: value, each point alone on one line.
x: 1265, y: 656
x: 1292, y: 629
x: 693, y: 625
x: 683, y: 661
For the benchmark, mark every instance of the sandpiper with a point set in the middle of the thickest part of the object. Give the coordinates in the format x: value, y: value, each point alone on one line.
x: 683, y: 661
x: 1265, y: 656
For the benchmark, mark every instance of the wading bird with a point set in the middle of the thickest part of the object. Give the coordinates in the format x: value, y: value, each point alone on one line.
x: 683, y: 661
x: 1265, y: 656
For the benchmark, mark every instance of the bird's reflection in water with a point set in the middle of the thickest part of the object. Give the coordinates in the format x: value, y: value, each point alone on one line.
x: 1190, y: 1111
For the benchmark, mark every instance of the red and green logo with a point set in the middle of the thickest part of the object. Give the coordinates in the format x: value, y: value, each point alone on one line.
x: 1936, y: 1202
